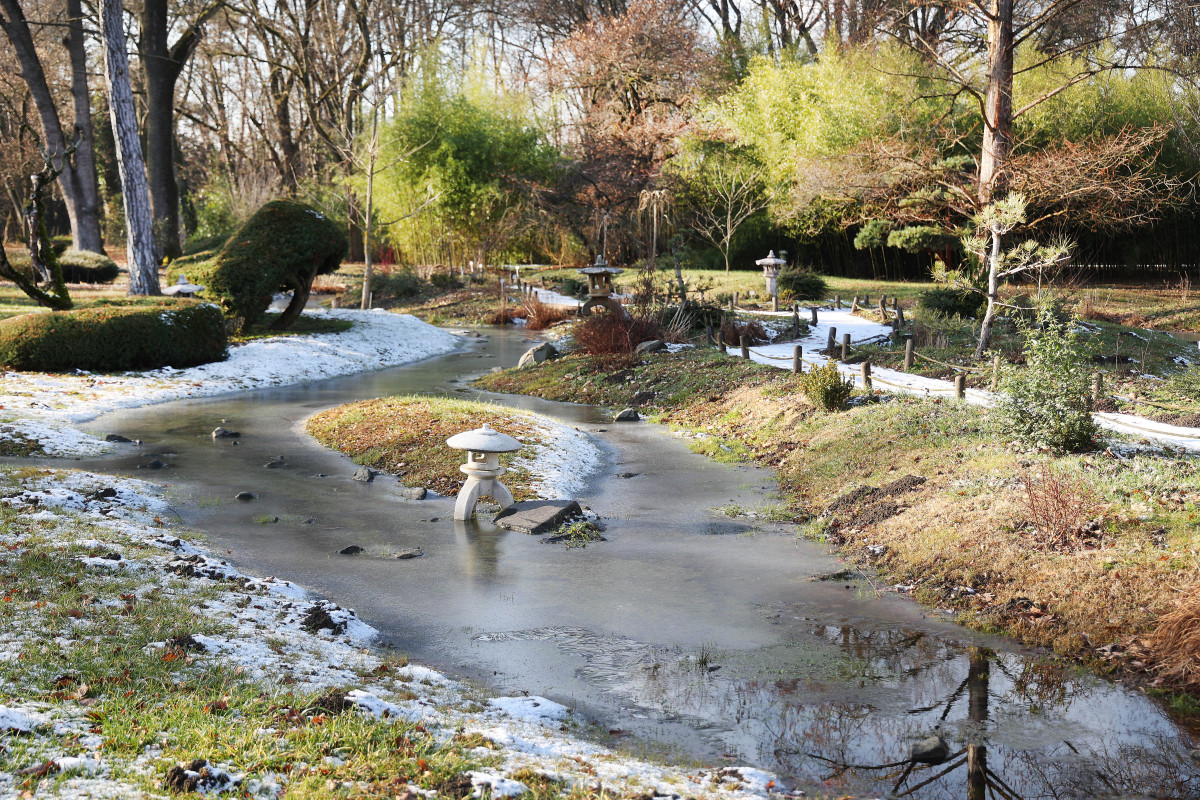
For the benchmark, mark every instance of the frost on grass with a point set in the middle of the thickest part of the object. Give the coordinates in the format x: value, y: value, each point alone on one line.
x: 560, y: 461
x: 189, y: 615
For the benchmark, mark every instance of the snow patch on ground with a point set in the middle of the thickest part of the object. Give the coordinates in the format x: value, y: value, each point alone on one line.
x: 895, y: 382
x: 40, y: 406
x: 560, y: 462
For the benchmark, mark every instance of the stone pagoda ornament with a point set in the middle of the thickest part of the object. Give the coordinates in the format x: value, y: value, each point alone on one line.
x: 600, y: 288
x: 483, y: 470
x: 771, y: 265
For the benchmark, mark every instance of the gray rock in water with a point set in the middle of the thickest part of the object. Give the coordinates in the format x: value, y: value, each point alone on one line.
x: 225, y: 433
x: 352, y: 550
x: 627, y: 415
x: 365, y: 474
x: 276, y: 463
x: 536, y: 355
x: 414, y: 493
x: 154, y: 464
x: 245, y: 496
x: 930, y: 750
x: 118, y: 438
x: 416, y: 552
x: 650, y: 346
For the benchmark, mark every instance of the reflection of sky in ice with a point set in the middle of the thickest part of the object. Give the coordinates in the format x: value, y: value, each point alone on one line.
x: 863, y: 698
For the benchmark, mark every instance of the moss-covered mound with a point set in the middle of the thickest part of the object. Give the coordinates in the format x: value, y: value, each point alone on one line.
x: 114, y: 339
x: 281, y: 248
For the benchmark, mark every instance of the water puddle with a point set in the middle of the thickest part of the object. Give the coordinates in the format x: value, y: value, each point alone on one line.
x: 687, y: 633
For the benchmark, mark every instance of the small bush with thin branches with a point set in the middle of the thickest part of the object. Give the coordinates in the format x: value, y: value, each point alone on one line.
x: 539, y: 315
x: 1060, y: 507
x: 606, y: 334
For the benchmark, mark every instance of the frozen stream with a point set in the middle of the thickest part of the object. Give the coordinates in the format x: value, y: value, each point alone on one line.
x: 688, y: 633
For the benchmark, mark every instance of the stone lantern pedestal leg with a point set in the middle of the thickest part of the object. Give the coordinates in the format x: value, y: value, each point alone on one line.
x: 476, y: 487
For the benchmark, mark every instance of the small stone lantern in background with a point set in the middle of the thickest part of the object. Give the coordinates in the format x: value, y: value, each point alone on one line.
x: 771, y: 265
x: 600, y: 288
x: 483, y: 446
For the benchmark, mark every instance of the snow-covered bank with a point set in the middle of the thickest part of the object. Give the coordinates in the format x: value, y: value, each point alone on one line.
x: 894, y: 381
x: 112, y: 535
x: 38, y: 408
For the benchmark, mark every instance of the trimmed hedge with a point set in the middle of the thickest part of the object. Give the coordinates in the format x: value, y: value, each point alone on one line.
x: 801, y: 284
x: 114, y: 339
x: 82, y: 266
x: 952, y: 302
x: 282, y: 247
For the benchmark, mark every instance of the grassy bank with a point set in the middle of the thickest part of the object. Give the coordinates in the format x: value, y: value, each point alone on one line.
x: 406, y: 437
x: 1086, y: 554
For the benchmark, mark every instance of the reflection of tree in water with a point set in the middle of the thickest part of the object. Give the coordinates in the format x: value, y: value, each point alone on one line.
x: 1157, y: 767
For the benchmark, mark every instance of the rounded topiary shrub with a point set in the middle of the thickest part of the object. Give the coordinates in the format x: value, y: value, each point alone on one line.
x: 82, y: 266
x: 801, y: 284
x: 282, y: 247
x: 115, y: 338
x: 952, y: 302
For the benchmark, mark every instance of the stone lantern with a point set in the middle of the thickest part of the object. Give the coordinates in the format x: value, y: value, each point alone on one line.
x: 771, y: 265
x: 600, y: 288
x: 483, y: 470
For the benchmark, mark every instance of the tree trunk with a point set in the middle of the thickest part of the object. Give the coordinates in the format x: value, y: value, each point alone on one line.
x: 86, y: 234
x: 162, y: 64
x: 998, y: 106
x: 139, y: 227
x: 997, y: 142
x: 84, y: 216
x: 993, y: 294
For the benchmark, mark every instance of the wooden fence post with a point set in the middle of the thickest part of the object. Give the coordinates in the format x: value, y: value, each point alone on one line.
x: 708, y: 333
x: 996, y: 372
x: 745, y: 346
x: 795, y: 323
x: 960, y: 386
x: 882, y: 310
x: 1097, y: 387
x: 737, y: 296
x: 813, y: 312
x: 775, y: 302
x: 721, y: 342
x: 829, y: 343
x: 866, y: 375
x: 899, y: 318
x: 908, y: 354
x: 845, y: 347
x: 797, y: 360
x: 854, y: 305
x: 837, y: 301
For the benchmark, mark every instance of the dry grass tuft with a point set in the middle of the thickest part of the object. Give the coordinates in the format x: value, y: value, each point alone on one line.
x: 539, y: 315
x: 1175, y: 645
x: 1060, y: 508
x: 606, y: 334
x: 752, y: 330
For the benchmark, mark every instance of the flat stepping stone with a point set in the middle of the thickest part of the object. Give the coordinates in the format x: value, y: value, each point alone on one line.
x: 538, y: 516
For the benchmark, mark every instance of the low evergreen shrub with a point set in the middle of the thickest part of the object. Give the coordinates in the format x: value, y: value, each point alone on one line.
x: 114, y: 339
x: 1047, y: 404
x: 952, y: 302
x: 801, y: 284
x: 573, y: 287
x: 825, y: 387
x: 395, y: 284
x: 446, y: 281
x: 83, y: 266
